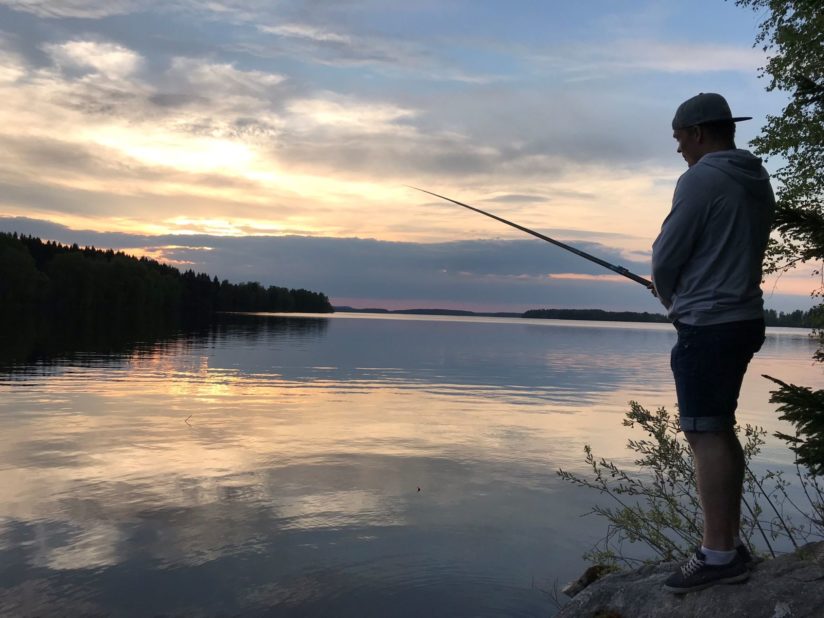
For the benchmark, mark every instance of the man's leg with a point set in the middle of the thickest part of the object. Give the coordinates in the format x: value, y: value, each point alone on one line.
x: 708, y: 364
x: 719, y: 468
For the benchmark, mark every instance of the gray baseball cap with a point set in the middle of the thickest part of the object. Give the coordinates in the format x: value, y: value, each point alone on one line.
x: 703, y: 108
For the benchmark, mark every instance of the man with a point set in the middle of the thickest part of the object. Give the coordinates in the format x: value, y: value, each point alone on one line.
x: 706, y: 267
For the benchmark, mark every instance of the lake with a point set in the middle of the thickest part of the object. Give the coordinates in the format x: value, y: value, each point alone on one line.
x: 343, y: 465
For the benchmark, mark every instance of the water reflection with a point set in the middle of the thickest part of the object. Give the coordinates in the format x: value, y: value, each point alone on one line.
x: 272, y: 466
x: 29, y: 343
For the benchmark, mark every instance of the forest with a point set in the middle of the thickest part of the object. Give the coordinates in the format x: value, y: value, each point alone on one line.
x: 798, y: 318
x: 595, y: 314
x: 51, y: 280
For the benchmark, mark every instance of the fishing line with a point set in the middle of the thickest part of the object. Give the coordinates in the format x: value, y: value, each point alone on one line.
x: 616, y: 269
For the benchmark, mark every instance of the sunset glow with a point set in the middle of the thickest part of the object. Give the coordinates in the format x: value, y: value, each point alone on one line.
x: 283, y: 123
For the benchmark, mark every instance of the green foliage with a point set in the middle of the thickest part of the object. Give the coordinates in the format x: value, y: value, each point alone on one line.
x: 804, y: 408
x: 656, y: 504
x: 73, y: 283
x: 792, y: 33
x: 657, y: 507
x: 21, y: 284
x: 812, y: 318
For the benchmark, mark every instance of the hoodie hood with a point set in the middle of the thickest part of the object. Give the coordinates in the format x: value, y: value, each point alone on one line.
x: 742, y: 166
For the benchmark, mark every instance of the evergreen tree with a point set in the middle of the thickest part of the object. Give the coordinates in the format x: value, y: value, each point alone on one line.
x: 70, y: 283
x: 792, y: 33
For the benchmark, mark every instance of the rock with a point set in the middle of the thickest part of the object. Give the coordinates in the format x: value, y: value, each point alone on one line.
x: 790, y: 586
x: 589, y: 576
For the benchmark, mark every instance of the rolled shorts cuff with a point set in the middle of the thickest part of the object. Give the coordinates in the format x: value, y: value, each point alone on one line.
x: 700, y: 424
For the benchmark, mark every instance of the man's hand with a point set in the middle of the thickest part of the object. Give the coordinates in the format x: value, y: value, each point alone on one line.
x: 654, y: 292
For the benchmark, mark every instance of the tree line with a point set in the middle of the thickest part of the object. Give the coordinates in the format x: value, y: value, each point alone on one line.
x: 46, y: 278
x: 811, y: 318
x: 802, y: 319
x: 595, y: 314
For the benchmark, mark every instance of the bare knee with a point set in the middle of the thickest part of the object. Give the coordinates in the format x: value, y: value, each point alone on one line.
x: 714, y: 438
x: 715, y: 446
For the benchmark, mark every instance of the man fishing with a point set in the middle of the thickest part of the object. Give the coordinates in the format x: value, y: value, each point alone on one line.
x: 706, y: 269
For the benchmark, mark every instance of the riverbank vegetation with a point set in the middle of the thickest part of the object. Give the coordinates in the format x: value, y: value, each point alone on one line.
x: 656, y: 504
x: 790, y: 33
x: 796, y: 319
x: 653, y: 512
x: 51, y: 280
x: 595, y: 314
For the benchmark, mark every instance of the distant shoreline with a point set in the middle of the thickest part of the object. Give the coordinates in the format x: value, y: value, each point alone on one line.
x: 597, y: 315
x: 456, y: 312
x: 549, y: 314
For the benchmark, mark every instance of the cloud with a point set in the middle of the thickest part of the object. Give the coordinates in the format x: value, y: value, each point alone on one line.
x: 348, y: 115
x: 235, y: 117
x: 516, y: 198
x: 303, y: 31
x: 109, y: 59
x: 322, y: 45
x: 213, y: 79
x: 239, y: 11
x: 583, y: 62
x: 89, y: 9
x: 328, y: 41
x: 475, y: 274
x: 687, y: 57
x: 12, y: 68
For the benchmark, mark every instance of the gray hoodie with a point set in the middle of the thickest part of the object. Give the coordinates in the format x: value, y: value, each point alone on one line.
x: 706, y: 262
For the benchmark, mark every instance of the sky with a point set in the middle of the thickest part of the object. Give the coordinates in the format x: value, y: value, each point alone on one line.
x: 274, y: 141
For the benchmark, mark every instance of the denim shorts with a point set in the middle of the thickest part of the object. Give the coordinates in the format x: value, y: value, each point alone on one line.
x: 708, y: 363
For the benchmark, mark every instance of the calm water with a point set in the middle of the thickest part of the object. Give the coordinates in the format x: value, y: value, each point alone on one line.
x: 349, y: 465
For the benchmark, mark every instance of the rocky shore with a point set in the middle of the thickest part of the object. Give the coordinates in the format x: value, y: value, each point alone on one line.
x: 790, y: 586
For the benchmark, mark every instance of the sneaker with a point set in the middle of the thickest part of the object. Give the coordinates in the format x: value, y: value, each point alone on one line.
x: 696, y: 574
x: 745, y: 555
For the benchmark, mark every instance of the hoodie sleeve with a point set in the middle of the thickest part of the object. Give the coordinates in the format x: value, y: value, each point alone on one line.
x: 679, y: 234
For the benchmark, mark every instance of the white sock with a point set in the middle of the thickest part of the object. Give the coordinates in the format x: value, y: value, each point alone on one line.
x: 715, y: 557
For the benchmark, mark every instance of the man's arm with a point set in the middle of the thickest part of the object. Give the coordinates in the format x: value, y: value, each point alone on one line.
x: 679, y: 234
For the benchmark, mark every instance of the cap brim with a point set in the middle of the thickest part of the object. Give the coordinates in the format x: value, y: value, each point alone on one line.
x: 684, y: 126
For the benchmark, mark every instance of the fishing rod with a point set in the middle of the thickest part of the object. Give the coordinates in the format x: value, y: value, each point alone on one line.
x: 617, y: 269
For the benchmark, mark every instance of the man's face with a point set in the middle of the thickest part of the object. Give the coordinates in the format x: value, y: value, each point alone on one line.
x: 688, y: 144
